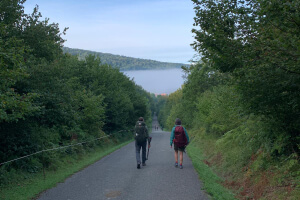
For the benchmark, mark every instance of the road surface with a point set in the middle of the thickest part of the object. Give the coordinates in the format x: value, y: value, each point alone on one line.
x: 116, y: 177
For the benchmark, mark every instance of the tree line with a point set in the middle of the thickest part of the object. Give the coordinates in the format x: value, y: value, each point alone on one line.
x: 123, y: 62
x: 48, y: 98
x: 246, y: 92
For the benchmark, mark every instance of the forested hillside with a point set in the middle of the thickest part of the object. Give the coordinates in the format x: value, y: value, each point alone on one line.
x: 122, y: 62
x: 49, y: 99
x: 241, y: 105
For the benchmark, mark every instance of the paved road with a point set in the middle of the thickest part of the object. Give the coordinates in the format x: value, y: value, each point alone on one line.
x: 116, y: 177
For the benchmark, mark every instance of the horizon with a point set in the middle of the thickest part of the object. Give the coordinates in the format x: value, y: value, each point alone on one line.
x: 124, y: 56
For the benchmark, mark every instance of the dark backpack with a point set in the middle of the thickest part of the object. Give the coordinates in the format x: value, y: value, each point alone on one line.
x: 180, y: 139
x: 140, y: 132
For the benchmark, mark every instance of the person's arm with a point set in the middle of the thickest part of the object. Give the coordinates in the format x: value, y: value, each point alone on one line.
x: 187, y: 136
x: 172, y: 136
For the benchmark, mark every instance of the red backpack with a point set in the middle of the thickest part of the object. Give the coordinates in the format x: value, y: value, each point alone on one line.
x: 180, y: 139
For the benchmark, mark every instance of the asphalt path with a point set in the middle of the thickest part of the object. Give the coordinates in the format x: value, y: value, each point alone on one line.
x: 117, y: 177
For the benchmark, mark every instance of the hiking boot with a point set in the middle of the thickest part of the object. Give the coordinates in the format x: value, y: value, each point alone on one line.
x: 144, y: 164
x: 138, y: 166
x: 181, y: 167
x: 176, y: 164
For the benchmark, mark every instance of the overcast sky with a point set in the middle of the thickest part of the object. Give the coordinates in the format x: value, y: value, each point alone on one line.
x: 150, y: 29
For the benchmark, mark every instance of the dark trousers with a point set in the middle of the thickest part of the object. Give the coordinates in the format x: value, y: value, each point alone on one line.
x: 138, y: 150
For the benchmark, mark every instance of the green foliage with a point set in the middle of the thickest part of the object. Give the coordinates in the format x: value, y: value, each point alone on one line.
x: 13, y: 104
x: 218, y: 110
x: 176, y: 108
x: 122, y: 62
x: 182, y: 103
x: 201, y: 78
x: 24, y: 185
x: 43, y: 39
x: 244, y: 141
x: 161, y: 110
x: 170, y: 108
x: 256, y: 42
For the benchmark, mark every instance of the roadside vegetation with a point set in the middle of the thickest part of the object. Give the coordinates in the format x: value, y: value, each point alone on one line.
x: 28, y: 185
x: 241, y: 103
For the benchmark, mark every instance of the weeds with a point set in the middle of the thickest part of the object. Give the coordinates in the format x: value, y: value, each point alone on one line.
x: 248, y: 171
x: 26, y: 185
x: 212, y: 183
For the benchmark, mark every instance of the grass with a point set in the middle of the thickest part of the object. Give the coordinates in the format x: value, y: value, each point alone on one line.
x: 30, y: 188
x: 212, y: 183
x: 229, y: 171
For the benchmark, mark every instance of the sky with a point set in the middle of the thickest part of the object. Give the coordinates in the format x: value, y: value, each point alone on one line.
x: 149, y: 29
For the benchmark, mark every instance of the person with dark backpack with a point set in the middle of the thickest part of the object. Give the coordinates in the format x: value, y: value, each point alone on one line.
x: 180, y: 138
x: 141, y: 137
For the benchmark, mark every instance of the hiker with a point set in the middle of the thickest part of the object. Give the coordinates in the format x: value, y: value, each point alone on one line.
x: 141, y: 137
x: 181, y: 139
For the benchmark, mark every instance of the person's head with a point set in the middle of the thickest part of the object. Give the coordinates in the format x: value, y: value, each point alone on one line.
x: 141, y: 119
x: 178, y: 121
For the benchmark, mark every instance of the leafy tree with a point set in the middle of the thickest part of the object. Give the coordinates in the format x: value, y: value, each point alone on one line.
x: 44, y: 39
x: 124, y: 100
x: 200, y: 78
x: 256, y: 41
x: 14, y: 104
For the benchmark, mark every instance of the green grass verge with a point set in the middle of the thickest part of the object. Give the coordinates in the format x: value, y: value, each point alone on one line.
x: 212, y: 183
x: 30, y: 188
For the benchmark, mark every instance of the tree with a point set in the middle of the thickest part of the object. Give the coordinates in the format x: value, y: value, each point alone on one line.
x: 44, y: 39
x: 257, y: 42
x: 14, y: 105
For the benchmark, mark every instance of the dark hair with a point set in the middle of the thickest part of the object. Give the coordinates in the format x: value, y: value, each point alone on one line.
x: 141, y: 119
x: 178, y: 121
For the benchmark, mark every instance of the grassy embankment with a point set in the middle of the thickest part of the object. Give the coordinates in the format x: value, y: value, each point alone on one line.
x: 28, y: 185
x: 211, y: 181
x: 225, y: 180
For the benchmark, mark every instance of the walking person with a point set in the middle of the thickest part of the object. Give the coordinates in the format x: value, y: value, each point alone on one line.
x: 181, y: 139
x: 141, y: 137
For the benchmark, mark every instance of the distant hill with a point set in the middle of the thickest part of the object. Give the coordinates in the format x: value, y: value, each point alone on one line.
x: 123, y: 62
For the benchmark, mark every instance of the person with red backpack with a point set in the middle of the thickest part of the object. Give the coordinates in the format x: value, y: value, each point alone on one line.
x: 181, y: 139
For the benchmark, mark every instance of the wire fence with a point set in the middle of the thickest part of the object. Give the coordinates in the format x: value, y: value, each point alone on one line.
x: 59, y: 148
